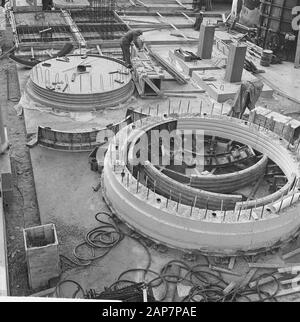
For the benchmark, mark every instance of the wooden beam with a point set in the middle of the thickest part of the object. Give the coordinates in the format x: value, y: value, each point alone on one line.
x: 187, y: 17
x: 74, y: 28
x: 45, y: 293
x: 297, y: 58
x: 294, y: 267
x: 248, y: 277
x: 288, y: 291
x: 181, y: 5
x: 129, y: 19
x: 291, y: 254
x: 121, y: 20
x: 152, y: 85
x: 133, y: 3
x: 99, y: 50
x: 266, y: 265
x: 265, y: 280
x: 142, y: 3
x: 223, y: 270
x: 172, y: 25
x: 290, y: 281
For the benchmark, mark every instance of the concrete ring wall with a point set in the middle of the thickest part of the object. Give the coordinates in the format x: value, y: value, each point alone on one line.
x: 67, y: 141
x: 190, y: 233
x: 79, y: 140
x: 246, y: 133
x: 249, y: 134
x: 225, y: 183
x: 188, y: 195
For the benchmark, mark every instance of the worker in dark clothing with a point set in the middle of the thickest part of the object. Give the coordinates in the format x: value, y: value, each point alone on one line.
x: 47, y: 5
x: 3, y: 3
x: 197, y: 5
x: 247, y: 96
x: 198, y: 21
x: 130, y: 37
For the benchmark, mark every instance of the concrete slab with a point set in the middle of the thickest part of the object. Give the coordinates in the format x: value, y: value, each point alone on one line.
x: 66, y: 198
x: 284, y: 78
x: 70, y: 177
x: 197, y: 65
x: 220, y: 90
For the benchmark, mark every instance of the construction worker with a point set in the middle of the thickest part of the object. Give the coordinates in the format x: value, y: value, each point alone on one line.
x: 130, y: 37
x: 198, y: 21
x: 47, y: 5
x: 197, y: 5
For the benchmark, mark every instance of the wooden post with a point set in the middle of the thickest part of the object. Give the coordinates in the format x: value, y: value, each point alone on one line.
x: 297, y: 57
x: 3, y: 134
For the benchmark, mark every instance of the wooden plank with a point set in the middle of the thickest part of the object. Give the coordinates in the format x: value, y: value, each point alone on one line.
x: 223, y: 270
x: 142, y: 3
x: 264, y: 281
x: 291, y: 254
x: 231, y: 263
x: 297, y: 57
x: 229, y: 288
x: 181, y: 5
x: 291, y: 281
x: 187, y: 17
x: 152, y: 85
x: 132, y: 3
x: 99, y: 50
x: 172, y: 25
x: 192, y: 91
x: 44, y: 293
x: 289, y: 269
x: 266, y: 265
x: 140, y: 21
x: 73, y: 27
x: 121, y: 20
x: 248, y: 277
x: 288, y: 291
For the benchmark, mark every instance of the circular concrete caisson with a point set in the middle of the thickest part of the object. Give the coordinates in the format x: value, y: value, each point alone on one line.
x: 80, y: 83
x: 246, y: 227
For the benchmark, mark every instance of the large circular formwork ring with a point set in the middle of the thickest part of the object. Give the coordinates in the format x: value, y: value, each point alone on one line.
x: 243, y: 228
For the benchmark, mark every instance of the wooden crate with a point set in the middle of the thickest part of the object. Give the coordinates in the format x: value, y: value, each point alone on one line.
x: 42, y: 255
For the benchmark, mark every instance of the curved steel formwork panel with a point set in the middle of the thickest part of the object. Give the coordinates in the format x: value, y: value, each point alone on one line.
x: 191, y: 228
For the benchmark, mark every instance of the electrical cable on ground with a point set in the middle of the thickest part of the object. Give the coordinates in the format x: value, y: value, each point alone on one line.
x: 205, y: 285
